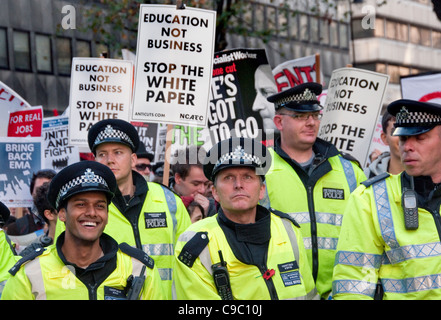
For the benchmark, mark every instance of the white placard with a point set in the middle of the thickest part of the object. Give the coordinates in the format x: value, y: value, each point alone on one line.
x: 99, y: 89
x: 426, y: 88
x: 353, y: 105
x: 174, y: 65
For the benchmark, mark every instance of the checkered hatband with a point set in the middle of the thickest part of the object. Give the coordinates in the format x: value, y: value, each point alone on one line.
x: 305, y: 97
x: 416, y: 118
x: 88, y: 178
x: 111, y: 134
x: 238, y: 155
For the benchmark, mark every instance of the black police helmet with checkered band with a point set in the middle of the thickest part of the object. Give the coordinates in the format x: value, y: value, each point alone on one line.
x: 113, y: 130
x: 237, y: 152
x: 301, y: 98
x: 83, y: 176
x: 414, y: 117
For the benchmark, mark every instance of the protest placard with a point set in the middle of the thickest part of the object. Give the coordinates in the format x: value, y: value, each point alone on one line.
x: 26, y: 123
x: 242, y: 80
x: 100, y: 89
x: 21, y: 157
x: 174, y: 63
x: 58, y: 153
x: 426, y: 87
x: 10, y: 101
x: 353, y: 105
x: 294, y: 72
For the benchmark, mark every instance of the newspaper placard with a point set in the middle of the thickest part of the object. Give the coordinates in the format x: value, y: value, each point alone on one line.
x: 100, y: 89
x: 20, y: 158
x: 425, y: 88
x: 58, y: 153
x: 242, y: 80
x: 174, y: 65
x: 10, y: 101
x: 353, y: 105
x: 26, y: 123
x: 294, y: 72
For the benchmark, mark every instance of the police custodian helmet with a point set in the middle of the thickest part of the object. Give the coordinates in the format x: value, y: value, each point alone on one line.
x: 237, y: 152
x: 113, y: 130
x: 301, y: 98
x: 81, y: 177
x: 414, y: 117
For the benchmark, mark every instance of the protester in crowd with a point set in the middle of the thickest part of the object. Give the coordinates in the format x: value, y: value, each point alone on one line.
x: 31, y: 221
x: 391, y: 229
x: 85, y: 263
x: 46, y: 210
x: 188, y: 178
x: 143, y: 161
x: 146, y: 215
x: 388, y: 161
x: 194, y: 208
x: 309, y: 178
x: 246, y: 251
x: 8, y: 256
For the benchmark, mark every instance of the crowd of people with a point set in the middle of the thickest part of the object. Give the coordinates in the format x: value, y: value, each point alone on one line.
x: 300, y: 220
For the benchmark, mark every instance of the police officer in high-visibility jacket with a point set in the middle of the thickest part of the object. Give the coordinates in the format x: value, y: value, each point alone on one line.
x: 392, y: 227
x: 146, y: 215
x: 84, y: 263
x: 309, y: 178
x: 245, y: 251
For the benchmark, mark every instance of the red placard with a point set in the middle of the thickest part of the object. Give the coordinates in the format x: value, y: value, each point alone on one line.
x: 26, y: 123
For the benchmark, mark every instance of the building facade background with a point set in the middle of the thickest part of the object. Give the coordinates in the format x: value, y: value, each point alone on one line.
x: 36, y: 51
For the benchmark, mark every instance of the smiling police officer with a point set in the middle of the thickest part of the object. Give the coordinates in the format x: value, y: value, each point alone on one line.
x: 85, y: 263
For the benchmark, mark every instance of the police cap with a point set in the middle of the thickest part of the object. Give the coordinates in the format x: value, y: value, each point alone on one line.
x: 4, y: 213
x: 414, y: 117
x: 113, y: 130
x: 237, y: 152
x: 301, y: 98
x: 81, y: 177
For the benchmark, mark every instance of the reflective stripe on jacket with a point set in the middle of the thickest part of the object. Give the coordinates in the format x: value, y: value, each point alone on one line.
x: 162, y: 220
x: 286, y: 256
x: 318, y: 207
x: 374, y: 244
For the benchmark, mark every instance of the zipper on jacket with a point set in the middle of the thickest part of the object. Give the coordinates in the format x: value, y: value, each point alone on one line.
x: 437, y: 219
x: 269, y: 283
x: 314, y: 240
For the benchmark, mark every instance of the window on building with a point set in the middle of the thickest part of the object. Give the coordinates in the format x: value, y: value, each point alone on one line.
x: 43, y: 53
x: 304, y: 27
x: 333, y: 33
x: 379, y: 27
x: 3, y: 49
x: 64, y: 56
x: 419, y: 35
x: 83, y: 49
x: 359, y: 31
x: 314, y: 29
x: 436, y: 39
x: 293, y: 25
x: 22, y: 55
x: 397, y: 31
x: 324, y: 31
x: 343, y: 35
x: 100, y: 49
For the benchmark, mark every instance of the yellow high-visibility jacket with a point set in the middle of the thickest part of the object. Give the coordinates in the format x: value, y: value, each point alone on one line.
x: 44, y: 276
x: 316, y: 202
x: 375, y: 244
x: 285, y: 256
x: 7, y: 259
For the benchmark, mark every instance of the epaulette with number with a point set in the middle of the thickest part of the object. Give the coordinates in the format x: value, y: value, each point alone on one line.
x: 31, y: 256
x: 137, y: 254
x: 193, y: 248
